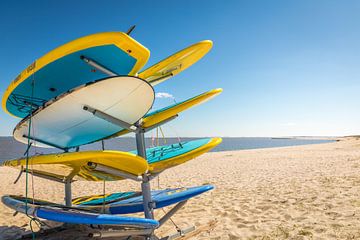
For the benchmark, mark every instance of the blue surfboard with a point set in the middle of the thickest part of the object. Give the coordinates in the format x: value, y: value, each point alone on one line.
x: 132, y: 202
x: 59, y: 213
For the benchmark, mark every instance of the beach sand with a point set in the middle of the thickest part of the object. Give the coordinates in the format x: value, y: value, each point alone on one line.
x: 300, y: 192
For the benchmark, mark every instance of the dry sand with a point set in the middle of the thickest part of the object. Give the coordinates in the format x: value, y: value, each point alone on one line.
x: 301, y: 192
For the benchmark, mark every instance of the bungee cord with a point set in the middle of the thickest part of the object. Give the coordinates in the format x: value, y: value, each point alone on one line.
x: 29, y: 144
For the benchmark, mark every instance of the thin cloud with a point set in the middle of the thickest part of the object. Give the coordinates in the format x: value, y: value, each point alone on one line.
x: 164, y: 95
x: 289, y: 124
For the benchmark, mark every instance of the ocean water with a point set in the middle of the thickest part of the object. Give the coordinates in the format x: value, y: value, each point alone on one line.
x: 11, y: 149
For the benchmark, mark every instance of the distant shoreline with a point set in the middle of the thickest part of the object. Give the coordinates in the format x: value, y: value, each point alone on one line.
x: 11, y: 149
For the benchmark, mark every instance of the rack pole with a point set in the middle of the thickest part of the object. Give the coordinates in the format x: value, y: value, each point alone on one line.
x: 68, y: 198
x: 145, y: 184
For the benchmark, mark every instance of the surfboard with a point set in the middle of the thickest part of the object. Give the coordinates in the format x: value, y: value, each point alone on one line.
x: 64, y: 214
x: 163, y: 157
x: 64, y: 68
x: 132, y: 202
x: 88, y: 165
x: 82, y: 165
x: 162, y: 114
x: 63, y: 123
x: 176, y: 63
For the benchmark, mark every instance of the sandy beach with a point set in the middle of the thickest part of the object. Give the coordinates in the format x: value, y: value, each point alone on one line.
x: 301, y: 192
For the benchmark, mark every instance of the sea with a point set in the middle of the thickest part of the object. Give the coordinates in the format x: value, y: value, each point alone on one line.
x: 11, y: 149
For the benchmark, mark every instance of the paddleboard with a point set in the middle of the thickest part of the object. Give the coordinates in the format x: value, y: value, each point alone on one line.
x: 163, y: 157
x: 132, y: 202
x: 176, y: 63
x: 63, y: 214
x: 82, y: 165
x: 64, y: 68
x: 162, y: 114
x: 63, y: 123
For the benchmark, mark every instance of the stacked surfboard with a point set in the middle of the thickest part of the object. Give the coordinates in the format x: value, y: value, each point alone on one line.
x: 89, y: 90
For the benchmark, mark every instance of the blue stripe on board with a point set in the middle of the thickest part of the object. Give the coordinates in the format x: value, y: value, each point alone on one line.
x: 78, y: 217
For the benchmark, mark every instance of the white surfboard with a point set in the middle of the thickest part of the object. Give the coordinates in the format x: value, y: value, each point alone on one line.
x: 63, y: 122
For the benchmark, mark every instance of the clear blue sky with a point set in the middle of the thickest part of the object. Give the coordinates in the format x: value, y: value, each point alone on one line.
x: 287, y: 67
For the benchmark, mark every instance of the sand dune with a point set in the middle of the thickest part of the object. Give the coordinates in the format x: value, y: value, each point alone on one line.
x: 301, y: 192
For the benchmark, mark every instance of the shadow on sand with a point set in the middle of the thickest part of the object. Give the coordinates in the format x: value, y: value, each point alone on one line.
x: 11, y: 232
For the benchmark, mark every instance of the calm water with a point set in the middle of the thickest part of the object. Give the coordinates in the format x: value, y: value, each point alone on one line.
x: 10, y: 149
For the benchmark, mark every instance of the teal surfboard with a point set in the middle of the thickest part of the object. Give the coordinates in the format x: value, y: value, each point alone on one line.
x: 65, y: 68
x: 94, y: 209
x: 132, y: 202
x: 161, y: 158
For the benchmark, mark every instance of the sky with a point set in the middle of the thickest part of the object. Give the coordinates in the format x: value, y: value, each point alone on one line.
x: 288, y: 68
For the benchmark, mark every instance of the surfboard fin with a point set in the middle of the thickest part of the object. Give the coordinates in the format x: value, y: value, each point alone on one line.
x: 130, y: 29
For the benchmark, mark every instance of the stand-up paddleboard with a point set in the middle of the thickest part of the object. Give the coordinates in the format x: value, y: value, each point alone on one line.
x: 69, y: 66
x: 68, y: 121
x: 113, y: 165
x: 63, y: 214
x: 176, y: 63
x: 168, y: 112
x: 132, y: 202
x: 164, y: 157
x: 83, y: 165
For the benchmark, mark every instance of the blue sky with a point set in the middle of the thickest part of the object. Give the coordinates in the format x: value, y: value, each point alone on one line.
x: 287, y: 67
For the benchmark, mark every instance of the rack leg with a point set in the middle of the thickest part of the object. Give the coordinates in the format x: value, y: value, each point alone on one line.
x: 145, y: 185
x: 68, y: 197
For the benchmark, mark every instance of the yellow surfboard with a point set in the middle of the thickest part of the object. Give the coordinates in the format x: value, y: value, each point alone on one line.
x: 176, y: 63
x: 64, y: 68
x: 99, y: 165
x: 83, y: 165
x: 160, y: 115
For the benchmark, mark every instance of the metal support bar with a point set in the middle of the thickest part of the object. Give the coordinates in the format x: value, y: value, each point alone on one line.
x: 171, y: 212
x: 147, y: 201
x: 113, y: 171
x: 162, y: 78
x: 120, y: 233
x: 68, y: 197
x: 20, y: 173
x: 154, y: 175
x: 160, y: 123
x: 140, y: 144
x: 145, y: 185
x: 39, y: 174
x: 44, y: 142
x: 110, y: 118
x: 98, y: 66
x: 179, y: 234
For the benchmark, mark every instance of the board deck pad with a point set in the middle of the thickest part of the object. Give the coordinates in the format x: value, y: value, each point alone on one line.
x: 163, y: 157
x: 63, y: 69
x: 176, y: 63
x: 75, y: 165
x: 132, y: 202
x: 64, y: 214
x: 157, y: 116
x: 63, y: 123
